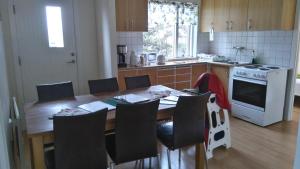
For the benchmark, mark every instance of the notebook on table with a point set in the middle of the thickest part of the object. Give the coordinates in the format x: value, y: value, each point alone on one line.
x: 132, y: 98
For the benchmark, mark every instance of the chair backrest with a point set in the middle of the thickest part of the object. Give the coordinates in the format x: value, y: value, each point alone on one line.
x: 189, y: 120
x: 80, y: 141
x: 137, y: 82
x: 49, y: 92
x: 103, y: 85
x: 136, y: 131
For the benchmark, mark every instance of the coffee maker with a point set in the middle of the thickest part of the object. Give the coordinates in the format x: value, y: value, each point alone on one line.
x: 122, y: 52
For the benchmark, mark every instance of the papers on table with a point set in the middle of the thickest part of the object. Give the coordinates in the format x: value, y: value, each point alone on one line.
x: 167, y: 102
x: 171, y: 98
x: 132, y: 98
x: 96, y: 106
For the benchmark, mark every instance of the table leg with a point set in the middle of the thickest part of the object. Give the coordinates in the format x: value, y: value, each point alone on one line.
x: 199, y: 157
x: 38, y: 152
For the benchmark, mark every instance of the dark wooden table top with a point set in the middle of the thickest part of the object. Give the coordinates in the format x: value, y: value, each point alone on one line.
x: 37, y: 113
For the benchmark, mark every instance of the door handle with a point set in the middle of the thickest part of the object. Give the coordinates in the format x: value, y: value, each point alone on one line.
x: 72, y: 62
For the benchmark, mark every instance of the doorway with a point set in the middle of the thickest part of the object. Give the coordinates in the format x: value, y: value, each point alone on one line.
x: 46, y: 44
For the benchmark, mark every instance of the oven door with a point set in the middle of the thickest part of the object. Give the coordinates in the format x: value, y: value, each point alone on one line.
x: 249, y: 93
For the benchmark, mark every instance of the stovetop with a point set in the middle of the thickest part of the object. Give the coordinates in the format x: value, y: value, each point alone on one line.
x: 258, y: 71
x: 261, y: 67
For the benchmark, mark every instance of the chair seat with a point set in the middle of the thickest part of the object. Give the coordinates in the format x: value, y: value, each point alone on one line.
x: 165, y: 134
x: 111, y: 146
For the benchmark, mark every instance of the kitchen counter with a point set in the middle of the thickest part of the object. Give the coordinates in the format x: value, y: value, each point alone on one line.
x: 182, y: 63
x: 177, y: 74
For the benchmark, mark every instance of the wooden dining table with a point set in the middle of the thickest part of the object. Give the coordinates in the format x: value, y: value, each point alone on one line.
x: 39, y: 126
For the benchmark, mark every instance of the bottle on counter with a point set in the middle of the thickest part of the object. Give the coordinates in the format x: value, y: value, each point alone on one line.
x: 133, y: 58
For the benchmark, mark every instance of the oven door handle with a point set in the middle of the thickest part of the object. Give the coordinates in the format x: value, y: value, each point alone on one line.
x: 261, y: 82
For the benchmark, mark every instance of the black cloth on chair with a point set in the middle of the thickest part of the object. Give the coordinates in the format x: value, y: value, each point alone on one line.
x: 79, y: 142
x: 103, y: 85
x: 137, y: 82
x: 50, y: 92
x: 135, y: 132
x: 187, y: 127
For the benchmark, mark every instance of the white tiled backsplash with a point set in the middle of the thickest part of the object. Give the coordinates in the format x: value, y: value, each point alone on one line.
x: 133, y: 40
x: 271, y: 47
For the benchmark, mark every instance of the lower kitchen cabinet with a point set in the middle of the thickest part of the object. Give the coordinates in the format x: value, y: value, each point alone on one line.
x: 177, y: 77
x: 223, y: 74
x: 197, y: 70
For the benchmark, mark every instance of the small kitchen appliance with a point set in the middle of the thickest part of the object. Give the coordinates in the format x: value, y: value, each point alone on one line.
x: 257, y: 93
x: 122, y: 52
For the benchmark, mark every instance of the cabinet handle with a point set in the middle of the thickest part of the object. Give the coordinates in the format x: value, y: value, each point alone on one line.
x: 249, y: 24
x: 231, y: 25
x: 132, y: 23
x: 227, y: 28
x: 127, y: 25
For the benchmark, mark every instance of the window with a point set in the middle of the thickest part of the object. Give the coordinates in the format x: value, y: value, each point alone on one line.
x: 55, y: 28
x: 172, y: 29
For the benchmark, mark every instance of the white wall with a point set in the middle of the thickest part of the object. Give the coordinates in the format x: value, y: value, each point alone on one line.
x: 4, y: 106
x: 297, y: 157
x: 106, y: 34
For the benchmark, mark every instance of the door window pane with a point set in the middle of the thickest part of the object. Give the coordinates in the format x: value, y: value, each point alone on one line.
x: 55, y: 27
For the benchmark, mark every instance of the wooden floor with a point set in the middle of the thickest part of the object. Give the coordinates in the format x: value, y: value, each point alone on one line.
x: 253, y: 147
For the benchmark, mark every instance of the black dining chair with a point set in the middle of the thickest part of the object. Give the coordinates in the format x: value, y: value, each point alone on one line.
x: 79, y: 142
x: 187, y: 127
x: 103, y: 85
x: 137, y: 82
x: 135, y: 133
x: 50, y: 92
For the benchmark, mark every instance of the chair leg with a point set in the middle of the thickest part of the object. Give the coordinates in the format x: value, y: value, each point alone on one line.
x: 179, y: 155
x: 205, y: 157
x: 169, y: 158
x: 136, y: 164
x: 143, y: 164
x: 112, y: 165
x: 158, y: 161
x: 150, y: 162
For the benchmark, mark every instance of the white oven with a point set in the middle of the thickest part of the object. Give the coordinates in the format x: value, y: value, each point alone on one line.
x: 257, y: 94
x: 249, y: 93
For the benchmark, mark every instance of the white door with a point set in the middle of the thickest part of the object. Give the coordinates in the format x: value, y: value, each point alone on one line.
x: 46, y: 43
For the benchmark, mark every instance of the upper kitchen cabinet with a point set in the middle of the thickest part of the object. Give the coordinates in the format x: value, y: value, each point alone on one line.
x: 238, y: 15
x: 259, y: 15
x: 132, y: 15
x: 206, y: 19
x: 221, y: 15
x: 243, y: 15
x: 283, y: 14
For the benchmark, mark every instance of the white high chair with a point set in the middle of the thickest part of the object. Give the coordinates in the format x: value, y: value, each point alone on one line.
x: 219, y: 130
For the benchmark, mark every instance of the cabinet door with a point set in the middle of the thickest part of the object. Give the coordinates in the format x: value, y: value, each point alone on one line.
x: 221, y: 15
x: 259, y: 15
x: 276, y: 14
x: 197, y: 70
x: 238, y: 15
x: 121, y: 77
x: 152, y: 73
x: 138, y: 15
x: 288, y: 14
x: 207, y: 15
x: 223, y: 74
x: 122, y: 15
